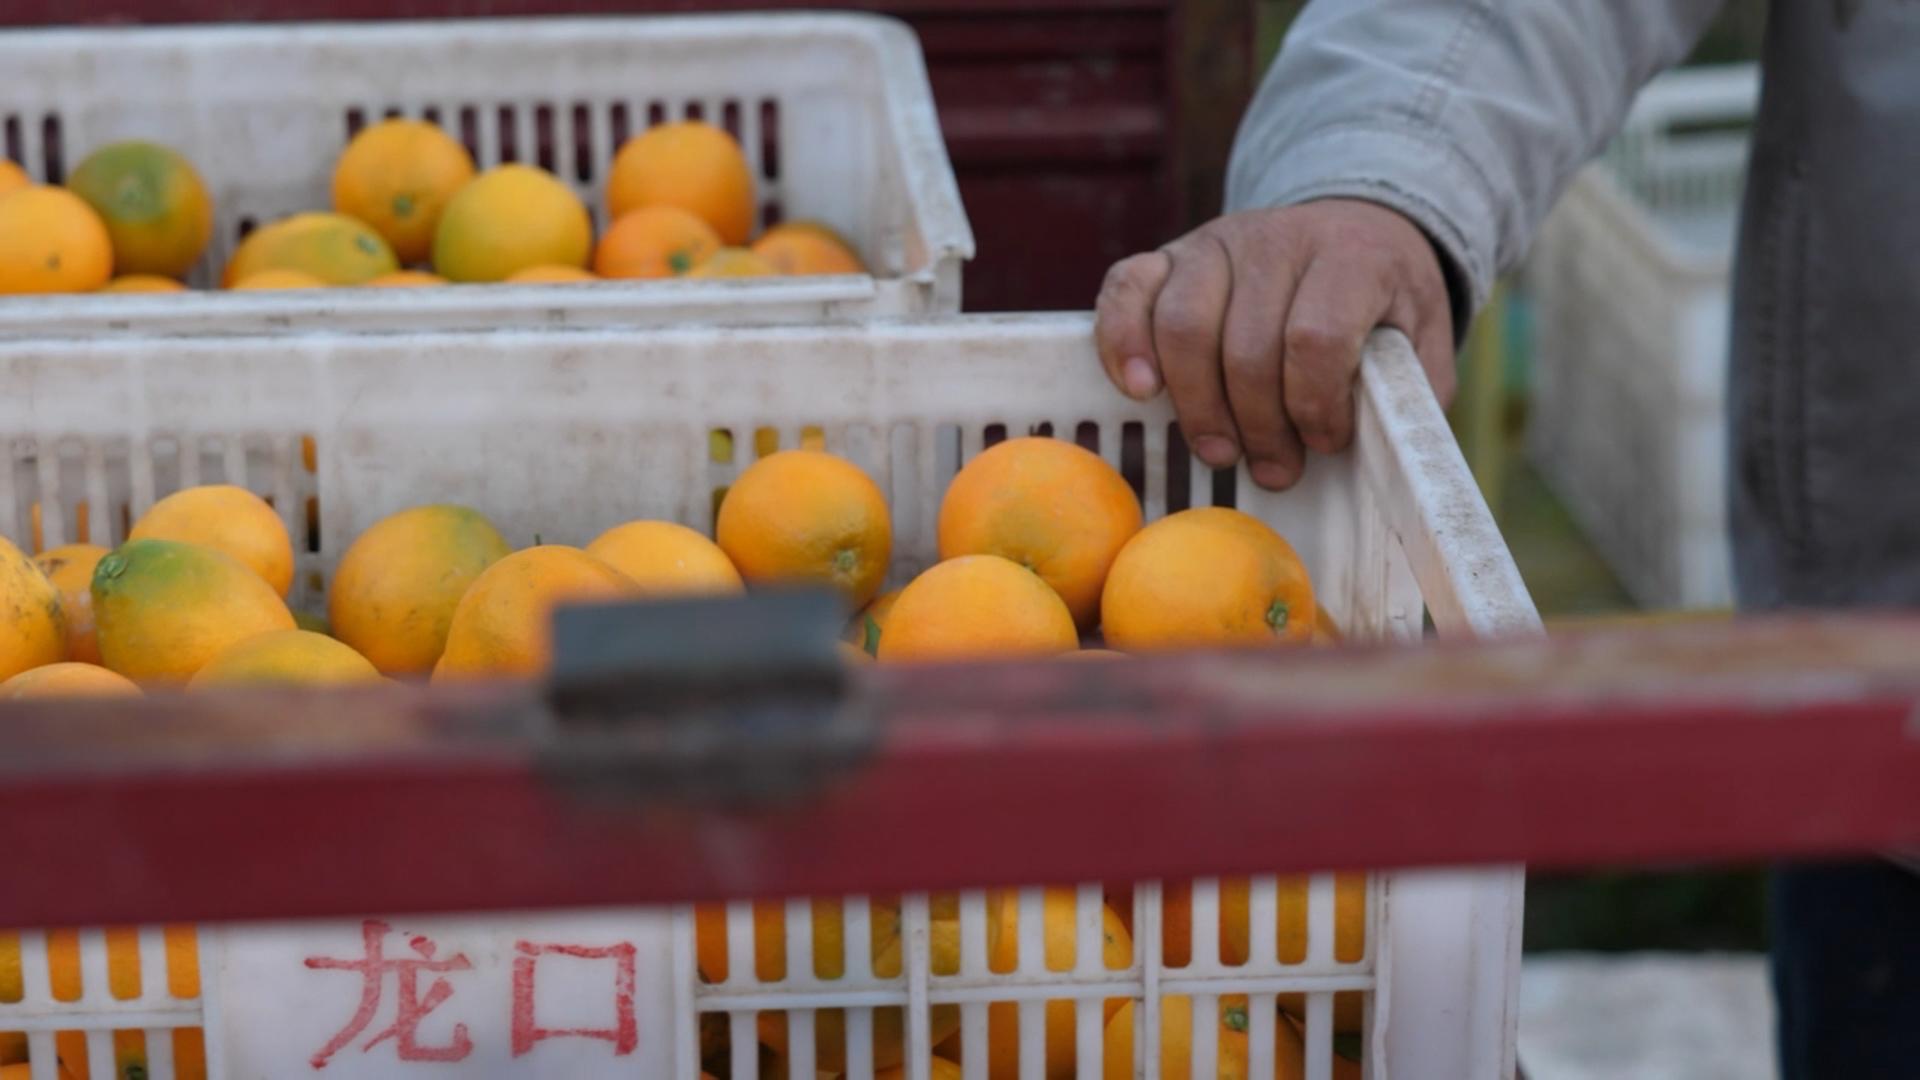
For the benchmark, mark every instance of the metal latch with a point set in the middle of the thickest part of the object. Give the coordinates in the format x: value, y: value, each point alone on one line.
x: 743, y: 699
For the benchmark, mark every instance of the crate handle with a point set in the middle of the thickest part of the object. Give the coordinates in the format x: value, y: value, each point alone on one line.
x: 741, y: 699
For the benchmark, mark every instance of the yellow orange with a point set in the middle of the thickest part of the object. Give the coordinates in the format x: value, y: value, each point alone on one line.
x: 285, y: 658
x: 1349, y: 930
x: 163, y: 609
x: 65, y: 680
x: 153, y: 202
x: 1210, y: 576
x: 406, y: 279
x: 13, y: 177
x: 1059, y: 952
x: 1049, y: 505
x: 334, y: 248
x: 143, y: 283
x: 181, y: 979
x: 394, y: 593
x: 665, y: 558
x: 805, y: 247
x: 976, y: 607
x: 276, y: 280
x: 229, y: 519
x: 655, y: 242
x: 692, y: 165
x: 549, y: 274
x: 808, y: 516
x: 1176, y: 1042
x: 398, y: 176
x: 51, y: 241
x: 503, y: 625
x: 508, y: 219
x: 33, y: 629
x: 733, y: 263
x: 70, y: 568
x: 884, y: 939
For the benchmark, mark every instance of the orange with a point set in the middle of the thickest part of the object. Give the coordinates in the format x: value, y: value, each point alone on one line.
x: 884, y: 941
x: 163, y: 609
x: 977, y: 606
x: 1206, y: 577
x: 332, y: 247
x: 503, y: 625
x: 33, y: 629
x: 13, y: 177
x: 508, y: 219
x: 1059, y: 953
x: 23, y: 1071
x: 153, y: 202
x: 142, y: 283
x: 1349, y: 931
x: 181, y: 979
x: 865, y: 628
x: 276, y: 280
x: 654, y: 242
x: 285, y: 658
x: 692, y: 165
x: 938, y: 1068
x: 733, y: 262
x: 1231, y: 1049
x: 667, y: 559
x: 394, y: 593
x: 548, y: 274
x: 70, y: 568
x: 1051, y: 506
x: 803, y: 247
x: 229, y: 519
x: 51, y: 241
x: 805, y: 515
x: 406, y: 279
x: 397, y: 176
x: 1096, y: 654
x: 67, y: 679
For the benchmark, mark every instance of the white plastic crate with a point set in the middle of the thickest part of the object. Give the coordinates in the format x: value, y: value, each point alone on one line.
x: 833, y: 110
x: 1628, y: 284
x: 565, y: 433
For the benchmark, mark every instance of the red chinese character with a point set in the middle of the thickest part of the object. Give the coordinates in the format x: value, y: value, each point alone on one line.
x: 410, y: 1008
x: 624, y: 1035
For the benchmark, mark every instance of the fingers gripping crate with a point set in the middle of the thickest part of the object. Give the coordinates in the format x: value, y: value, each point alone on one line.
x: 833, y: 111
x: 564, y: 433
x: 1628, y: 282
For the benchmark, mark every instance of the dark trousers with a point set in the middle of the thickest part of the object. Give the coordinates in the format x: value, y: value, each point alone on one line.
x: 1846, y: 971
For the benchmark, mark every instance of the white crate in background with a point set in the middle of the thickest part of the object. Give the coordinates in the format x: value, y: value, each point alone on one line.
x: 833, y: 110
x: 1628, y: 286
x: 567, y: 432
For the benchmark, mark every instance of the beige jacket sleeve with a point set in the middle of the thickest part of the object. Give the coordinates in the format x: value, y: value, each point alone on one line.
x: 1468, y: 117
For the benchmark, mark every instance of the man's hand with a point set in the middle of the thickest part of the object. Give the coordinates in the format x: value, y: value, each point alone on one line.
x: 1254, y: 324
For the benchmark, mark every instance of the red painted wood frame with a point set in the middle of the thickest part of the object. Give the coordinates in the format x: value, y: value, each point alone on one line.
x: 1081, y: 131
x: 1793, y: 738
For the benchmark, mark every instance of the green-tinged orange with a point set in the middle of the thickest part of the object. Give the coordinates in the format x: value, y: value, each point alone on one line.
x: 333, y: 248
x: 153, y: 202
x: 163, y: 609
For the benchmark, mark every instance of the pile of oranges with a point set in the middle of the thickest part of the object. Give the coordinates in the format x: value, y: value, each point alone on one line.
x: 409, y: 209
x: 1043, y: 551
